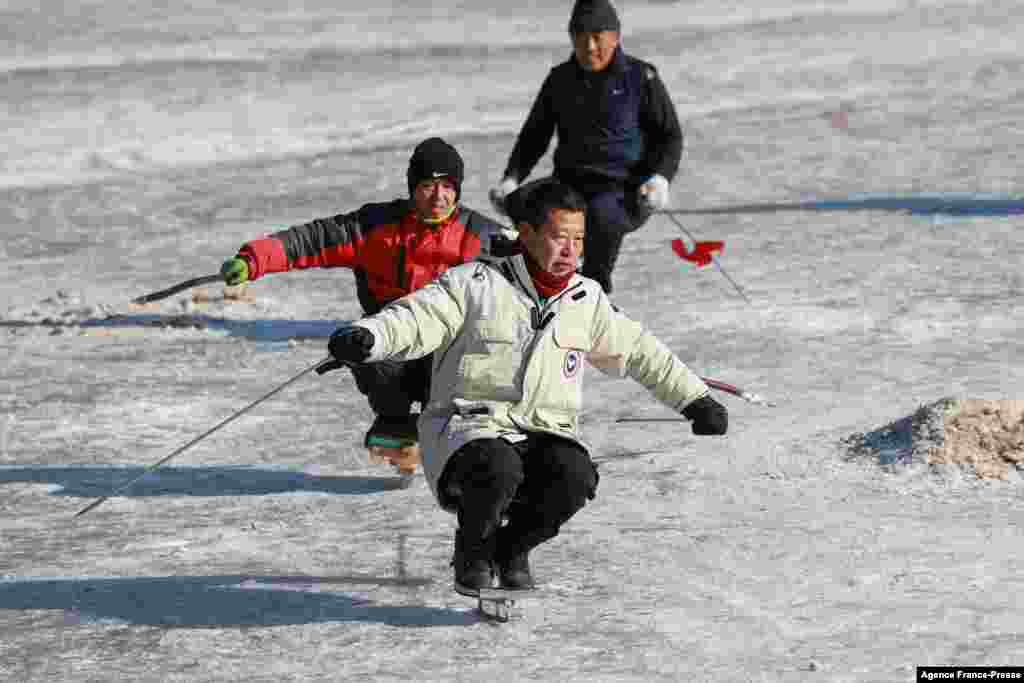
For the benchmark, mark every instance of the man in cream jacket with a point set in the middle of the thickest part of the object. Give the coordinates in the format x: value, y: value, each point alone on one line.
x: 500, y: 433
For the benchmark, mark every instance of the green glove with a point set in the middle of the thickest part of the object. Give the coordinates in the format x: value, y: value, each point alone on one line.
x: 235, y: 271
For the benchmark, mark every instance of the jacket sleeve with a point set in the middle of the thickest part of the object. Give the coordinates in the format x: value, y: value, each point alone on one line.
x: 622, y: 347
x: 419, y: 323
x: 332, y: 242
x: 535, y: 135
x: 661, y: 128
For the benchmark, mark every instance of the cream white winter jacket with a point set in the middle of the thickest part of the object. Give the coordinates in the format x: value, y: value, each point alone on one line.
x: 506, y: 364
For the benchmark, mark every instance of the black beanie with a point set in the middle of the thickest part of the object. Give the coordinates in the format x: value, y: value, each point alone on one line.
x: 591, y: 16
x: 435, y: 158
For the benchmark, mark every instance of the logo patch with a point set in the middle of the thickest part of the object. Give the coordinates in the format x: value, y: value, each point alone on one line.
x: 573, y: 363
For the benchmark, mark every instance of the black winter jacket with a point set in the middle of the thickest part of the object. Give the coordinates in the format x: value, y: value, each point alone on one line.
x: 618, y: 125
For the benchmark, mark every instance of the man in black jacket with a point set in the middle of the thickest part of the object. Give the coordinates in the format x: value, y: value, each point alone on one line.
x: 619, y: 139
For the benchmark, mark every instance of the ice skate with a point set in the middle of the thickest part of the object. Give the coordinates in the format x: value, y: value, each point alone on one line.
x: 472, y: 565
x: 514, y: 572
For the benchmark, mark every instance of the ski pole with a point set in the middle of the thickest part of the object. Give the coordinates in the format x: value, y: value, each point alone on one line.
x: 736, y: 391
x: 714, y: 384
x: 170, y: 291
x: 920, y: 205
x: 208, y: 432
x: 714, y: 258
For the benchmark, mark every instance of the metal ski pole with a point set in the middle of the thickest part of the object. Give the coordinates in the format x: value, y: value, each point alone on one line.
x: 714, y: 258
x: 736, y: 391
x: 714, y: 384
x: 96, y: 503
x: 927, y: 204
x: 181, y: 286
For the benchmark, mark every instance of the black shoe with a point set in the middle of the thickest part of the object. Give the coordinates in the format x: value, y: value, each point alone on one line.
x: 473, y: 568
x: 471, y: 576
x: 514, y: 573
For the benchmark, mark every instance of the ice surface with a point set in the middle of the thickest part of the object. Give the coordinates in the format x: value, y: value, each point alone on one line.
x: 143, y: 143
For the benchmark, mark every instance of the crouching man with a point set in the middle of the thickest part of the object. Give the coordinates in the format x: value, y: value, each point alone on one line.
x: 500, y: 434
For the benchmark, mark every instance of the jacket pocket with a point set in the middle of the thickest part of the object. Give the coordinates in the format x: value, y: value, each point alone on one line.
x: 488, y: 369
x: 497, y: 332
x: 573, y: 331
x: 488, y: 376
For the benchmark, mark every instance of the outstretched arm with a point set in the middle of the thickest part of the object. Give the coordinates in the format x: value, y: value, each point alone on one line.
x: 418, y: 323
x: 332, y: 242
x: 648, y: 361
x: 623, y: 347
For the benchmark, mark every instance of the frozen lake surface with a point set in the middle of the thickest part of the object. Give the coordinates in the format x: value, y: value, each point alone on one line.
x: 143, y: 145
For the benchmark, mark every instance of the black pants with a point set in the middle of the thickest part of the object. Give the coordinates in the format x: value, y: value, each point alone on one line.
x: 537, y: 484
x: 392, y: 387
x: 612, y: 213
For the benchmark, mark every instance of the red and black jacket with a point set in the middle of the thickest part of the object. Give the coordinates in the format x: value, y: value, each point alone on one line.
x: 391, y: 252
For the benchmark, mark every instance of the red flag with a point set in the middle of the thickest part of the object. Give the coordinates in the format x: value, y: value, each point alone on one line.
x: 702, y: 253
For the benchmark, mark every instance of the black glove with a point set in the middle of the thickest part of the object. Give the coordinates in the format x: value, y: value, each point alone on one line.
x: 351, y: 344
x: 709, y: 417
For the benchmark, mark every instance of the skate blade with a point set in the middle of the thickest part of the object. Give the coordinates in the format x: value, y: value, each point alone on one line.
x: 501, y: 604
x: 496, y: 610
x: 405, y: 458
x: 496, y: 604
x: 510, y: 594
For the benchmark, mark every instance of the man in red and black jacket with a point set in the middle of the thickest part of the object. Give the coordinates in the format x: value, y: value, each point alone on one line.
x: 393, y: 248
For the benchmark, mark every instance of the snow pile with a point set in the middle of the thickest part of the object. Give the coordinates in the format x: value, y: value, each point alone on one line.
x: 985, y: 436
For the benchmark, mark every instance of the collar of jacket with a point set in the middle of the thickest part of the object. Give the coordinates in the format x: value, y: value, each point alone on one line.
x: 414, y: 218
x: 519, y: 275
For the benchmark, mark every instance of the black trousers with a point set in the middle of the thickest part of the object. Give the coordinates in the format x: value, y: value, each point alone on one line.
x: 610, y: 217
x: 612, y: 213
x: 392, y: 387
x: 537, y: 485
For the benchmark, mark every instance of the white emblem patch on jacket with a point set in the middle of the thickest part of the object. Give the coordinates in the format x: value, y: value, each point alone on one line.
x: 572, y: 364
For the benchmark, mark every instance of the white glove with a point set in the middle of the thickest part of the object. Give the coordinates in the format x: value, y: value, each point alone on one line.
x: 653, y: 194
x: 498, y: 194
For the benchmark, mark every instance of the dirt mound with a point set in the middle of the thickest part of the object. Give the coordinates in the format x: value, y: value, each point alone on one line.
x: 984, y: 435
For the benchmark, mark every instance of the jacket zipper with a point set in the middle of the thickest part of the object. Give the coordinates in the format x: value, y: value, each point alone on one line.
x: 400, y: 274
x: 542, y: 321
x: 539, y: 322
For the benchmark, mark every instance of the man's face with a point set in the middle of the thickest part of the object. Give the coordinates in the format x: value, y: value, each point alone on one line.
x: 557, y: 245
x: 434, y: 198
x: 594, y: 51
